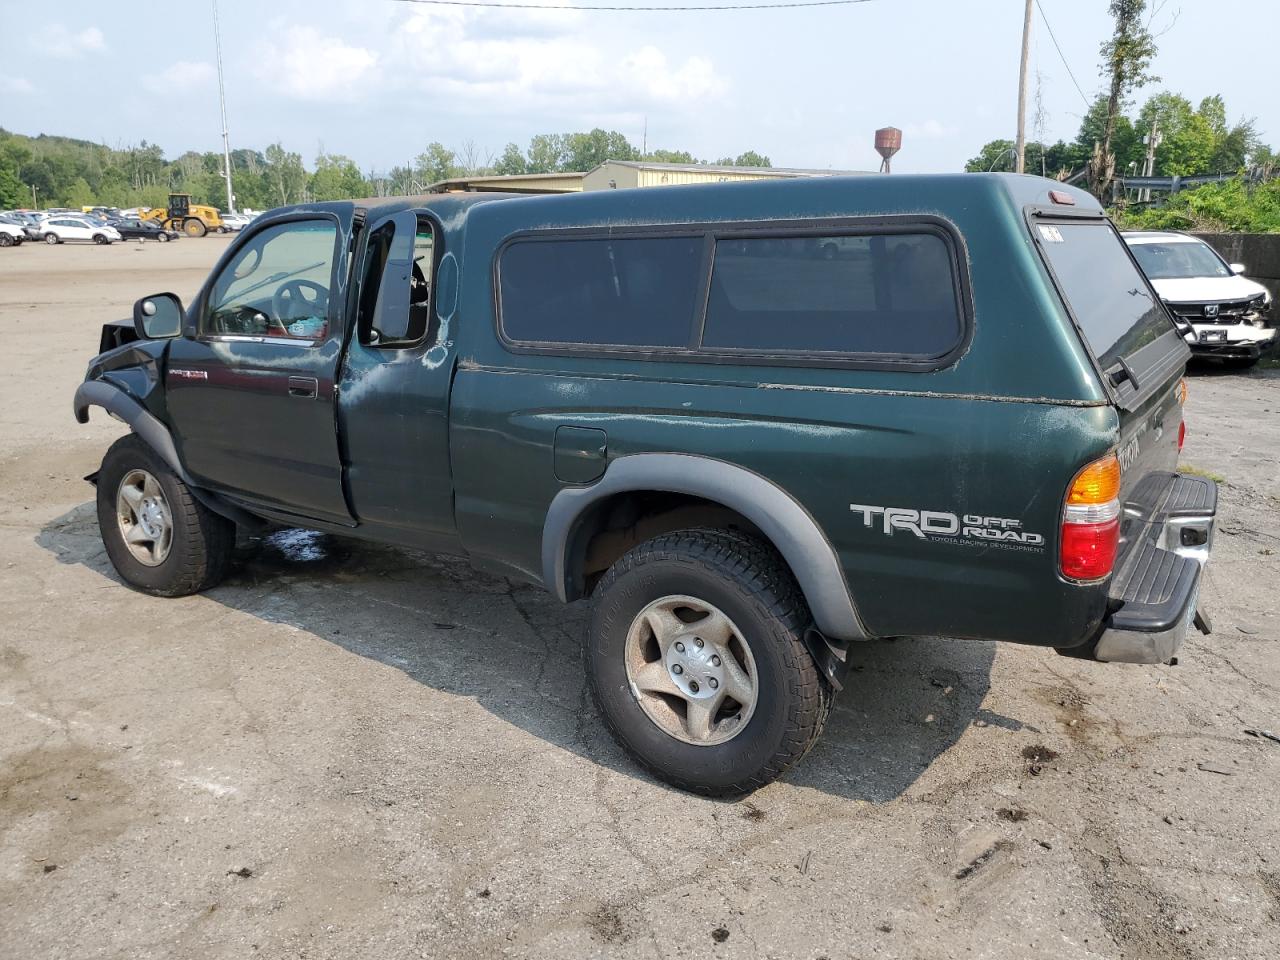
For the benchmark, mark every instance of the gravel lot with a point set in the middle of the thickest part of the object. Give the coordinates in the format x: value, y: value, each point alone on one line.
x: 360, y: 752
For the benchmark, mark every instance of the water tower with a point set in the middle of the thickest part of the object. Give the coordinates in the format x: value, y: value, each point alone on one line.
x: 888, y: 142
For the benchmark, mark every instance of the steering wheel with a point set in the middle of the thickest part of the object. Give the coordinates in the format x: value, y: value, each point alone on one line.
x: 292, y: 302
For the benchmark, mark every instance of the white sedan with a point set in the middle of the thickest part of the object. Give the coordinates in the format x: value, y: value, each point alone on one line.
x: 62, y: 229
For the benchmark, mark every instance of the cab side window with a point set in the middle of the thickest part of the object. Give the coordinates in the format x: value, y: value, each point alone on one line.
x: 396, y: 306
x: 277, y: 285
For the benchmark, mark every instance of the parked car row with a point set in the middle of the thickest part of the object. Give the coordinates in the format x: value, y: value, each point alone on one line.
x: 101, y: 225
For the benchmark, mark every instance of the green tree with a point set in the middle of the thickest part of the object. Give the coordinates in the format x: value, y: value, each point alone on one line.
x: 79, y: 194
x: 285, y: 174
x: 436, y: 163
x: 547, y: 153
x: 13, y: 192
x: 511, y: 162
x: 583, y: 151
x: 669, y: 156
x: 337, y: 178
x: 752, y: 159
x: 1126, y: 58
x: 996, y: 155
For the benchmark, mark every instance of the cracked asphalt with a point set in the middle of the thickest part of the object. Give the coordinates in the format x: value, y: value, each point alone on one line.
x: 349, y: 751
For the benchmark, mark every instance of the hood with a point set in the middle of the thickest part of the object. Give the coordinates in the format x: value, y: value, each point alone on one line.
x: 1207, y: 289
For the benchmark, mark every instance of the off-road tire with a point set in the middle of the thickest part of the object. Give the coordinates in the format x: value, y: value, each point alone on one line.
x: 202, y: 542
x: 747, y: 580
x: 194, y: 227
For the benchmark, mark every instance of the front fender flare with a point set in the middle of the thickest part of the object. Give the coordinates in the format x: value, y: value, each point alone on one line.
x: 99, y: 393
x: 790, y: 528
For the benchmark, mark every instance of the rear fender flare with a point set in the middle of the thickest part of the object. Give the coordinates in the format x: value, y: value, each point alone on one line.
x: 790, y: 528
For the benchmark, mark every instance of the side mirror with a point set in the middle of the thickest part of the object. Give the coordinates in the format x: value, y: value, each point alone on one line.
x: 1237, y: 268
x: 158, y: 317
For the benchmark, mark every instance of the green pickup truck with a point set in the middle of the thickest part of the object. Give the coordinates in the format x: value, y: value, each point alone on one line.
x: 756, y: 424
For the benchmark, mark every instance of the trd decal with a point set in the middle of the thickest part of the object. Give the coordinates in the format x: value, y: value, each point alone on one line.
x: 938, y: 524
x: 188, y: 374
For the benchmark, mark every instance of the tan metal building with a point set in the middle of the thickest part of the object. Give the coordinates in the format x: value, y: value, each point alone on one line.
x: 619, y: 174
x: 518, y: 183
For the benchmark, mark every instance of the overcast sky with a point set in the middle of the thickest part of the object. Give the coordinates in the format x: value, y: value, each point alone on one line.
x: 378, y: 79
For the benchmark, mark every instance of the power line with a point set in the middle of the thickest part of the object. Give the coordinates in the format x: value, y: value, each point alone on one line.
x: 494, y: 5
x: 1061, y: 55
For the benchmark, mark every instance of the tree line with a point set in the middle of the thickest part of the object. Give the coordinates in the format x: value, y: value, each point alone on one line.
x: 49, y: 171
x: 1192, y: 140
x: 1184, y: 139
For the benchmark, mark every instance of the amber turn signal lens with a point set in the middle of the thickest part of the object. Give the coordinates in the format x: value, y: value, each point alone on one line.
x: 1099, y: 482
x: 1182, y: 390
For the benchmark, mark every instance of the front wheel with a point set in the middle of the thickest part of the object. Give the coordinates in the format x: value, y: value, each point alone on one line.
x: 100, y: 239
x: 158, y: 536
x: 696, y: 660
x: 163, y: 238
x: 194, y: 227
x: 51, y: 239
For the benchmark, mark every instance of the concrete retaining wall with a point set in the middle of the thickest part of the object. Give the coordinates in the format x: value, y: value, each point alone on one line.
x: 1259, y: 252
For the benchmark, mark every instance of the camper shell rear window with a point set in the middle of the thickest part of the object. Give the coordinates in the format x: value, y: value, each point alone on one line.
x: 1119, y: 314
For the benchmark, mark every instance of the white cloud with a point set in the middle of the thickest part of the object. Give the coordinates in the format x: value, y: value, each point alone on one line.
x: 180, y: 78
x: 551, y: 62
x: 696, y: 78
x: 57, y: 41
x: 306, y: 65
x: 16, y: 85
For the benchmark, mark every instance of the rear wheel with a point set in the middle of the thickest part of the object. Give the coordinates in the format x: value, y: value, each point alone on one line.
x: 6, y: 240
x: 695, y: 658
x: 51, y: 238
x: 194, y: 227
x: 158, y: 536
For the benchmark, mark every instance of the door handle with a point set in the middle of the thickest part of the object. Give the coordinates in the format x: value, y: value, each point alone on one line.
x: 305, y: 387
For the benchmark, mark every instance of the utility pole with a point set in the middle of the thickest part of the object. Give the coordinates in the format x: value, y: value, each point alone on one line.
x: 1021, y: 147
x: 1149, y: 166
x: 222, y: 102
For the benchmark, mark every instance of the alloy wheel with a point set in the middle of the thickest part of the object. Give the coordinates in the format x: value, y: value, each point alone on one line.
x: 691, y: 670
x: 146, y: 522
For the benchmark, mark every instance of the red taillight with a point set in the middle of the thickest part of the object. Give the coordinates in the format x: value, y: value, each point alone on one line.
x: 1089, y: 549
x: 1182, y: 434
x: 1091, y: 521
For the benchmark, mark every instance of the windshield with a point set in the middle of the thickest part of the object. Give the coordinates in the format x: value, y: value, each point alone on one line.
x: 1112, y: 302
x: 1171, y: 261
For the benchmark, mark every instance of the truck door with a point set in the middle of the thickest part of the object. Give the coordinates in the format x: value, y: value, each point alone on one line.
x: 251, y: 389
x: 393, y: 409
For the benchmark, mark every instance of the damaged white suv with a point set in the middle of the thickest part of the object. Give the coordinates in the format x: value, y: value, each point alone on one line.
x: 1227, y: 312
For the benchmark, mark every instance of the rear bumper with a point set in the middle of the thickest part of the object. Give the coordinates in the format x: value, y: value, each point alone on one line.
x: 1154, y: 597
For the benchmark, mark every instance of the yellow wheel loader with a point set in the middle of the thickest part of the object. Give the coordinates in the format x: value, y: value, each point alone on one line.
x: 193, y: 219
